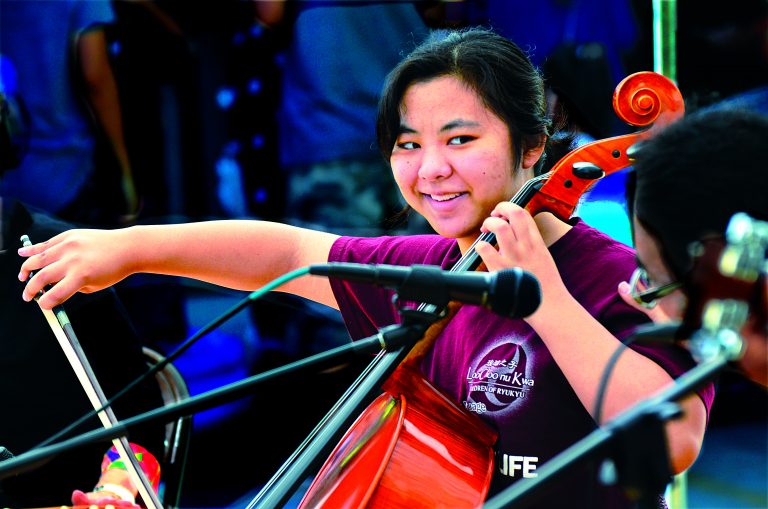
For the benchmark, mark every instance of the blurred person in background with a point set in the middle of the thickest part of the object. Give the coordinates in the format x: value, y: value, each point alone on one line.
x: 64, y: 75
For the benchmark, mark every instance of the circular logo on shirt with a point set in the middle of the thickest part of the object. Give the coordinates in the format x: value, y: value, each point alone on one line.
x: 499, y: 379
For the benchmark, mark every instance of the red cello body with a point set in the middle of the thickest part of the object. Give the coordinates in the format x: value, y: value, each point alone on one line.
x: 414, y: 446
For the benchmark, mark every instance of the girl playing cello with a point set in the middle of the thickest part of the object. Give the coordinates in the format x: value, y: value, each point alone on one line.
x: 462, y: 121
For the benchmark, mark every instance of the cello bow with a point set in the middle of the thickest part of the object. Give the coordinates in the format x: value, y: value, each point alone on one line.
x: 641, y: 99
x: 62, y: 329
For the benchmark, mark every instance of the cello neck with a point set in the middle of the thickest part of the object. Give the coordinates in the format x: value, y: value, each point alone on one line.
x: 471, y: 260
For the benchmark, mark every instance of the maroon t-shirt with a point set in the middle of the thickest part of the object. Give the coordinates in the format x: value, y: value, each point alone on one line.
x: 498, y: 367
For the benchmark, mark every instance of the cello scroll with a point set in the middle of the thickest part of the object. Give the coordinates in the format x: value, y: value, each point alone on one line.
x: 641, y: 99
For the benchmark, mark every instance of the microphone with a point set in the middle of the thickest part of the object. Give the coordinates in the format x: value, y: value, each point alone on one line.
x: 512, y: 293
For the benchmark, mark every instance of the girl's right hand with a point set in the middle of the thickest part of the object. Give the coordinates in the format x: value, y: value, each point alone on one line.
x: 75, y: 261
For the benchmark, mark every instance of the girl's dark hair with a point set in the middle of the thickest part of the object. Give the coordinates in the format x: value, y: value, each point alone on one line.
x: 496, y: 68
x: 694, y: 175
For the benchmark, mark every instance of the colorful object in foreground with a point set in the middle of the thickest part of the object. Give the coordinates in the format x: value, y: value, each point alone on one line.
x: 147, y: 461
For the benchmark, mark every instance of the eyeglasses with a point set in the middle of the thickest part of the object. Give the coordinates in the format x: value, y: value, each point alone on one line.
x: 645, y: 295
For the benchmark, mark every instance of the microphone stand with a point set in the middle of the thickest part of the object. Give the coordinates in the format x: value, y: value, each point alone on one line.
x: 635, y: 439
x: 399, y: 337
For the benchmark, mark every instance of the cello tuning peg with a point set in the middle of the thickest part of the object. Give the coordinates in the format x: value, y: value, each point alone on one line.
x: 587, y: 171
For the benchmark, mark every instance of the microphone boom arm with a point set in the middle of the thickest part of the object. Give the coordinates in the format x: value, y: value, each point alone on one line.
x: 396, y: 337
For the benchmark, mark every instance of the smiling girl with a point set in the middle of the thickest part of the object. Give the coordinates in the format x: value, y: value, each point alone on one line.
x: 462, y: 121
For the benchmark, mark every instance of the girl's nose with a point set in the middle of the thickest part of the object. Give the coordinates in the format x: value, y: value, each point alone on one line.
x: 434, y: 166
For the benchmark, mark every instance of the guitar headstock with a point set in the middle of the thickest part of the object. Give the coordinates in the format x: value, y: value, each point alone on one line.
x: 726, y: 287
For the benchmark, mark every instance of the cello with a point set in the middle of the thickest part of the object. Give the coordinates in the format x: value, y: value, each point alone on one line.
x: 380, y: 461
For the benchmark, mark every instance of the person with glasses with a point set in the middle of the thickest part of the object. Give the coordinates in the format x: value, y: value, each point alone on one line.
x: 686, y: 185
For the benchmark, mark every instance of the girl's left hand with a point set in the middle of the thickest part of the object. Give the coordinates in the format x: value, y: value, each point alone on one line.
x: 519, y: 244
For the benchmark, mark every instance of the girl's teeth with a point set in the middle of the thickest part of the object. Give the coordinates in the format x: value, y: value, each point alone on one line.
x: 445, y: 197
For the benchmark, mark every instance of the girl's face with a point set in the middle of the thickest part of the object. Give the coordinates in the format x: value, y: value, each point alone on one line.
x: 453, y: 157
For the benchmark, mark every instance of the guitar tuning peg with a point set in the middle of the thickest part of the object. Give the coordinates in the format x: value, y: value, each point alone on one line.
x: 744, y: 255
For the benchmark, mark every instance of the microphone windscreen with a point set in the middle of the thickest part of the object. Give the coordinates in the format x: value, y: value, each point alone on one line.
x: 517, y: 295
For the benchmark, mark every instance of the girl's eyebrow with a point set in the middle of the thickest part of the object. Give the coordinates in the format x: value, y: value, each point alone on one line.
x: 453, y: 124
x: 459, y: 122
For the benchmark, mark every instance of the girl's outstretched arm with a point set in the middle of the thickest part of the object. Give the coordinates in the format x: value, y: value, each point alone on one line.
x: 239, y: 254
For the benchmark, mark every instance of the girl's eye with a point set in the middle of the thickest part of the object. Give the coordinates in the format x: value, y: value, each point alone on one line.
x: 460, y: 140
x: 408, y: 145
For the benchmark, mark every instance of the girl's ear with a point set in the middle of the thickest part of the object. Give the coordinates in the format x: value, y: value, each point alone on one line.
x: 532, y: 155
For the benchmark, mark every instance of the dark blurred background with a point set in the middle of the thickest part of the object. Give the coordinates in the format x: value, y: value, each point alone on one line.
x: 200, y: 88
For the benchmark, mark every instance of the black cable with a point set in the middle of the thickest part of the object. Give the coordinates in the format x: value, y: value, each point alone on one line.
x: 664, y: 333
x: 604, y: 377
